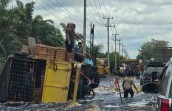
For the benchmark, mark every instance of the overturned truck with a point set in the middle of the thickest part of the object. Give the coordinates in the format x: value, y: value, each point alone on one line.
x: 26, y: 78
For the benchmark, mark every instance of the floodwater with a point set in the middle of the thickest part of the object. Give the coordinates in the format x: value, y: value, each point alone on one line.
x: 106, y: 99
x: 112, y: 101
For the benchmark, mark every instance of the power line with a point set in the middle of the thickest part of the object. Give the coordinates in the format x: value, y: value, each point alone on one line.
x: 97, y: 12
x: 98, y: 4
x: 112, y: 30
x: 115, y: 27
x: 75, y: 17
x: 94, y: 17
x: 98, y: 34
x: 104, y: 7
x: 48, y: 10
x: 55, y: 11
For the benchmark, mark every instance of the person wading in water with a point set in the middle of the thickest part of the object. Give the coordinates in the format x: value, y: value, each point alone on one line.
x: 127, y: 84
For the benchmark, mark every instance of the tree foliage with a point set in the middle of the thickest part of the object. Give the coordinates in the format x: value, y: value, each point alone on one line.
x: 18, y: 23
x: 119, y: 58
x: 148, y: 49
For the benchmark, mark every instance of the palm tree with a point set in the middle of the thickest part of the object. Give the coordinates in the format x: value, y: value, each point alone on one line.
x: 45, y: 32
x: 17, y: 24
x: 7, y: 30
x: 24, y: 15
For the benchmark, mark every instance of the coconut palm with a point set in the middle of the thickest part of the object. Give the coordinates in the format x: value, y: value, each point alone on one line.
x: 45, y: 32
x: 17, y: 24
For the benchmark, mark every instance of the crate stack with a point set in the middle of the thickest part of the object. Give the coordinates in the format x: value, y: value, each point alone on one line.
x: 60, y: 54
x: 49, y: 53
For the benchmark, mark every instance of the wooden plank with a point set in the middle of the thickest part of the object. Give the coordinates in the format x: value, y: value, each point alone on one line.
x: 25, y: 49
x: 32, y: 43
x: 75, y: 92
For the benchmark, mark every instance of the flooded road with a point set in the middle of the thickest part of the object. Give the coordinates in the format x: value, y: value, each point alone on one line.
x: 106, y: 99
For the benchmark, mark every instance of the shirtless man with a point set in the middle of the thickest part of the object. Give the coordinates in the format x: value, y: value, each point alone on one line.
x: 127, y: 84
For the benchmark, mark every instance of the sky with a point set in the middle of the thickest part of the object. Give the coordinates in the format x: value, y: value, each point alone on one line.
x: 136, y: 21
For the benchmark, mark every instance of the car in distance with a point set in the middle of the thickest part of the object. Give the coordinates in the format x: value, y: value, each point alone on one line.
x: 146, y: 76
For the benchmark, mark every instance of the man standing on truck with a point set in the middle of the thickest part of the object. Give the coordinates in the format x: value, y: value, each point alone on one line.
x: 70, y: 38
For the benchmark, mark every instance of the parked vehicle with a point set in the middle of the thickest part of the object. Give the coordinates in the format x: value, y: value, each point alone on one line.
x: 152, y: 67
x: 163, y: 101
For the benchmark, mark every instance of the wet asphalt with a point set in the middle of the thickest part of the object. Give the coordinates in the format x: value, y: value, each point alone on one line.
x: 106, y: 99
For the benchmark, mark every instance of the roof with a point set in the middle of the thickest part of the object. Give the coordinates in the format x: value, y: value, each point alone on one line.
x: 155, y: 64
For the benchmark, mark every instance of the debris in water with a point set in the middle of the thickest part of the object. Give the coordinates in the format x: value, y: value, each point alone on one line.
x: 111, y: 106
x: 72, y: 105
x: 93, y: 108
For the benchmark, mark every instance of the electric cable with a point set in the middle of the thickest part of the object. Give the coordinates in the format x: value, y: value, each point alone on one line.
x: 76, y: 18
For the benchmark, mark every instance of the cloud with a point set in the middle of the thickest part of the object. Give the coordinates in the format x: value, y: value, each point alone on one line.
x: 136, y: 21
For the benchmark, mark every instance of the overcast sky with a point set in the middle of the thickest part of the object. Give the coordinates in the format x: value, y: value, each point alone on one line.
x: 136, y: 21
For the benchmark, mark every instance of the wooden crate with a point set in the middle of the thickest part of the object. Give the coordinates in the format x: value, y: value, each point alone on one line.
x: 44, y: 52
x: 60, y: 54
x: 50, y: 53
x: 40, y: 48
x: 72, y: 55
x: 40, y: 51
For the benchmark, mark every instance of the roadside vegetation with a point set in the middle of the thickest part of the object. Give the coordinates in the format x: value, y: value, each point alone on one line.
x: 147, y: 50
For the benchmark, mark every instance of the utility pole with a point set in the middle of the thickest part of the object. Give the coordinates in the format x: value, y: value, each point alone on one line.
x: 92, y: 40
x: 84, y: 28
x: 115, y: 49
x: 111, y: 48
x: 119, y: 45
x: 108, y: 18
x: 122, y: 49
x: 90, y: 37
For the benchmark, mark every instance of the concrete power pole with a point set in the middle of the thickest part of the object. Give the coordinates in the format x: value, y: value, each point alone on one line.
x: 119, y: 45
x: 122, y: 50
x: 90, y: 37
x: 108, y: 38
x: 84, y: 27
x: 115, y: 49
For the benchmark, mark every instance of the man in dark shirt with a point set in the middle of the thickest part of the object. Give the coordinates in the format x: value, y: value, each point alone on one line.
x: 79, y: 56
x: 78, y: 49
